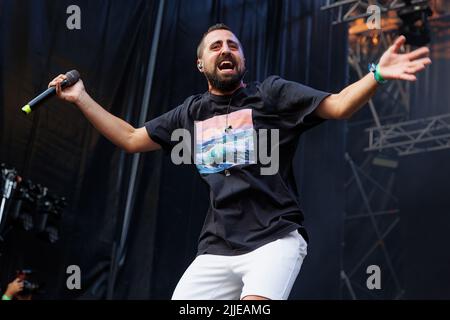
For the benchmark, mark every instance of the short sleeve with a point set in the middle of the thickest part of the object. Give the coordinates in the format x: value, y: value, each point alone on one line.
x: 293, y: 101
x: 161, y: 128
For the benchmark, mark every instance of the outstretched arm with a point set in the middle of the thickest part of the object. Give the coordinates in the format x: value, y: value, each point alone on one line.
x: 393, y: 66
x: 119, y: 132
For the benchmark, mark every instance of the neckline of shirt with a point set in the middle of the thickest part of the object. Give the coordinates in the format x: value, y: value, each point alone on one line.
x: 226, y: 98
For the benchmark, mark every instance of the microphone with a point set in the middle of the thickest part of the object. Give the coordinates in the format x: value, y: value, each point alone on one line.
x: 72, y: 78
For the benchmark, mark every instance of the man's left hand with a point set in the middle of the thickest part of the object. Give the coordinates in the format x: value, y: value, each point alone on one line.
x: 403, y: 66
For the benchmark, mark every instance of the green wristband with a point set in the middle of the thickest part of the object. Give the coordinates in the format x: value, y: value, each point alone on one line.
x: 5, y: 297
x: 378, y: 76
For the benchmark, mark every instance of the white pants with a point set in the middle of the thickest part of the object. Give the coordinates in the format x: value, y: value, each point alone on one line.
x: 269, y: 271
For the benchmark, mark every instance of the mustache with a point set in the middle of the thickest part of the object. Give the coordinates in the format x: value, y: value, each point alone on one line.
x: 228, y: 57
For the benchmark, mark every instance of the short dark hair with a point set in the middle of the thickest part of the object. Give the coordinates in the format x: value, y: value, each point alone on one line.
x: 218, y: 26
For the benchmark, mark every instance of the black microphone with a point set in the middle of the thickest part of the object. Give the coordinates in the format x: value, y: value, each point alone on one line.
x: 72, y: 78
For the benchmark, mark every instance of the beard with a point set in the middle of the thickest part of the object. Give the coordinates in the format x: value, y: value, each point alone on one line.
x: 224, y: 83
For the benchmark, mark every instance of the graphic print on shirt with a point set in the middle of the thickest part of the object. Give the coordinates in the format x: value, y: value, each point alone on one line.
x: 217, y: 150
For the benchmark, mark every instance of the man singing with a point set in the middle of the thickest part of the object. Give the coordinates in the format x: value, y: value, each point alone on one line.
x: 253, y: 242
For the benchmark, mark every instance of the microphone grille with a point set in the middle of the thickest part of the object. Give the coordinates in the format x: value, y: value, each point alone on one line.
x: 72, y: 77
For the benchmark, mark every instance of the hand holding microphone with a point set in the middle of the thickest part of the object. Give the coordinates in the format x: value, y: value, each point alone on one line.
x: 68, y: 87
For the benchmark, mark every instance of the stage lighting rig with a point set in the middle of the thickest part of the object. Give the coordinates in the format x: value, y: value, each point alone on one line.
x: 23, y: 213
x: 415, y: 26
x: 9, y: 180
x: 49, y: 212
x: 30, y: 206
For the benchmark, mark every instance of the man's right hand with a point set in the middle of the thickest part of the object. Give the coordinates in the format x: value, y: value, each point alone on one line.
x: 119, y: 132
x: 71, y: 94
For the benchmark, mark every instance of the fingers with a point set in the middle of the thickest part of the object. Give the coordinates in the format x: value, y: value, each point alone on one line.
x: 408, y: 77
x: 58, y: 88
x: 16, y: 285
x: 57, y: 84
x: 424, y: 61
x: 399, y: 42
x: 419, y: 53
x: 418, y: 65
x: 57, y: 80
x: 414, y: 69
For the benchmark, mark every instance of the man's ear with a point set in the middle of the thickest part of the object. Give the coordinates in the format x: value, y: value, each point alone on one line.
x: 200, y: 65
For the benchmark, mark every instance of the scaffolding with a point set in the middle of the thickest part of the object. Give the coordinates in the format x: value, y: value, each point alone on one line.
x: 371, y: 217
x: 411, y: 137
x: 350, y: 10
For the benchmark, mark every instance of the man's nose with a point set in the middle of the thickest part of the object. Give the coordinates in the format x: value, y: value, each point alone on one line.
x: 225, y: 49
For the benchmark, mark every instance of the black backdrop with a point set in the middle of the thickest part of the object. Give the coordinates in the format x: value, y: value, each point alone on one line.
x: 58, y: 148
x: 425, y: 224
x: 425, y: 178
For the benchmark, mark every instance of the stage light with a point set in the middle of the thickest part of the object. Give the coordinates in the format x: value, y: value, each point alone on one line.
x: 51, y: 234
x: 375, y: 40
x: 22, y: 212
x: 34, y: 209
x: 386, y: 161
x: 415, y: 22
x: 51, y: 211
x: 8, y: 183
x: 26, y: 220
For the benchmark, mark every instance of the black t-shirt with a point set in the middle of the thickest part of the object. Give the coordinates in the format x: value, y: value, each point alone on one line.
x: 247, y: 209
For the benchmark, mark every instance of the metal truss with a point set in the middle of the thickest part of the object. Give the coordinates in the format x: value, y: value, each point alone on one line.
x: 412, y: 137
x: 371, y: 213
x: 364, y: 190
x: 351, y: 10
x: 371, y: 217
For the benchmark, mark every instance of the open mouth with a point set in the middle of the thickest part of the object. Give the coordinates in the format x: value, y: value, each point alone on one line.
x: 226, y: 65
